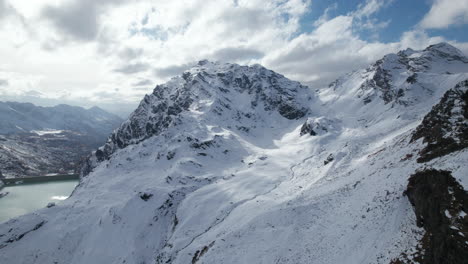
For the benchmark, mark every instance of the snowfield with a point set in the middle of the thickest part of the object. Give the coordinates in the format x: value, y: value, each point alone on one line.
x: 46, y: 132
x: 237, y: 164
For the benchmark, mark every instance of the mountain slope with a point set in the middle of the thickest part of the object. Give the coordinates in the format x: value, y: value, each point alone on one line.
x: 40, y: 140
x: 235, y: 164
x: 25, y: 117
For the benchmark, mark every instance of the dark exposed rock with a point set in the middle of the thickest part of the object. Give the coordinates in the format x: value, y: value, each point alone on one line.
x: 383, y: 82
x: 100, y: 155
x: 440, y: 203
x: 318, y: 126
x: 146, y: 196
x: 412, y: 78
x: 170, y: 155
x: 367, y: 100
x: 199, y: 253
x: 445, y: 127
x: 290, y: 112
x: 202, y: 145
x: 307, y: 129
x: 329, y: 159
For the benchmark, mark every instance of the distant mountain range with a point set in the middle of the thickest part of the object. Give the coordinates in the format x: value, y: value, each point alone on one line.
x: 238, y: 164
x: 25, y: 117
x: 37, y: 140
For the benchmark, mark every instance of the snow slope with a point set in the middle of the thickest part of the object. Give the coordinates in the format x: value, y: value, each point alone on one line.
x: 237, y: 164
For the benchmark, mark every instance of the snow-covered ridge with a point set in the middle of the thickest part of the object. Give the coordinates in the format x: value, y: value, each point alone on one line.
x: 210, y: 169
x: 404, y: 85
x: 444, y: 49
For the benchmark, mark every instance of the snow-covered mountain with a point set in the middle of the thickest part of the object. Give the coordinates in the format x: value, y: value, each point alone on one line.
x: 38, y: 140
x: 25, y: 117
x: 237, y: 164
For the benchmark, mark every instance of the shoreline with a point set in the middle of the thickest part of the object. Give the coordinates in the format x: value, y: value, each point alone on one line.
x: 8, y: 182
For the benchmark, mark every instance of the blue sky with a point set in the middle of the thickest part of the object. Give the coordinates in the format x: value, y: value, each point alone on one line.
x: 402, y: 15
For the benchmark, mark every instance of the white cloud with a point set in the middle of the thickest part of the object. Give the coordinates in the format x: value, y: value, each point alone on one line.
x: 326, y: 15
x: 369, y: 8
x: 329, y: 51
x: 418, y: 39
x: 84, y: 50
x: 102, y: 52
x: 445, y: 13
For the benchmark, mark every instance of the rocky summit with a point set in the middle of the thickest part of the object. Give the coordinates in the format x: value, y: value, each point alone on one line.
x: 238, y: 164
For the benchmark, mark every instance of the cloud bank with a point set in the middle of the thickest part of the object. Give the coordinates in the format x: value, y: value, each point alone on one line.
x: 112, y: 52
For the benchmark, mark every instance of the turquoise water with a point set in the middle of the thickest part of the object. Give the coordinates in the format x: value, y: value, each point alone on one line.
x: 23, y: 199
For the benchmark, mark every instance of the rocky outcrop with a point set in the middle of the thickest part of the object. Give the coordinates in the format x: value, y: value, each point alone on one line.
x: 440, y: 204
x: 445, y: 128
x: 319, y: 126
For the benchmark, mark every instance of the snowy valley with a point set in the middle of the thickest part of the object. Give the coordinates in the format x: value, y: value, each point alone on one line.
x: 238, y: 164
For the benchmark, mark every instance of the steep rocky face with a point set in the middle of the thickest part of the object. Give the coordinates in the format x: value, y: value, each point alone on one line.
x: 216, y: 91
x: 445, y: 128
x: 439, y: 200
x: 440, y: 205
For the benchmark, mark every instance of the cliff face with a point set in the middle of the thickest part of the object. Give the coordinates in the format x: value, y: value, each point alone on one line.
x: 440, y: 205
x: 445, y: 128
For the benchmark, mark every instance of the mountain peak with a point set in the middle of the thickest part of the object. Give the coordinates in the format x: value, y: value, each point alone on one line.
x: 409, y: 78
x: 241, y: 98
x: 214, y: 67
x: 96, y: 108
x: 445, y: 48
